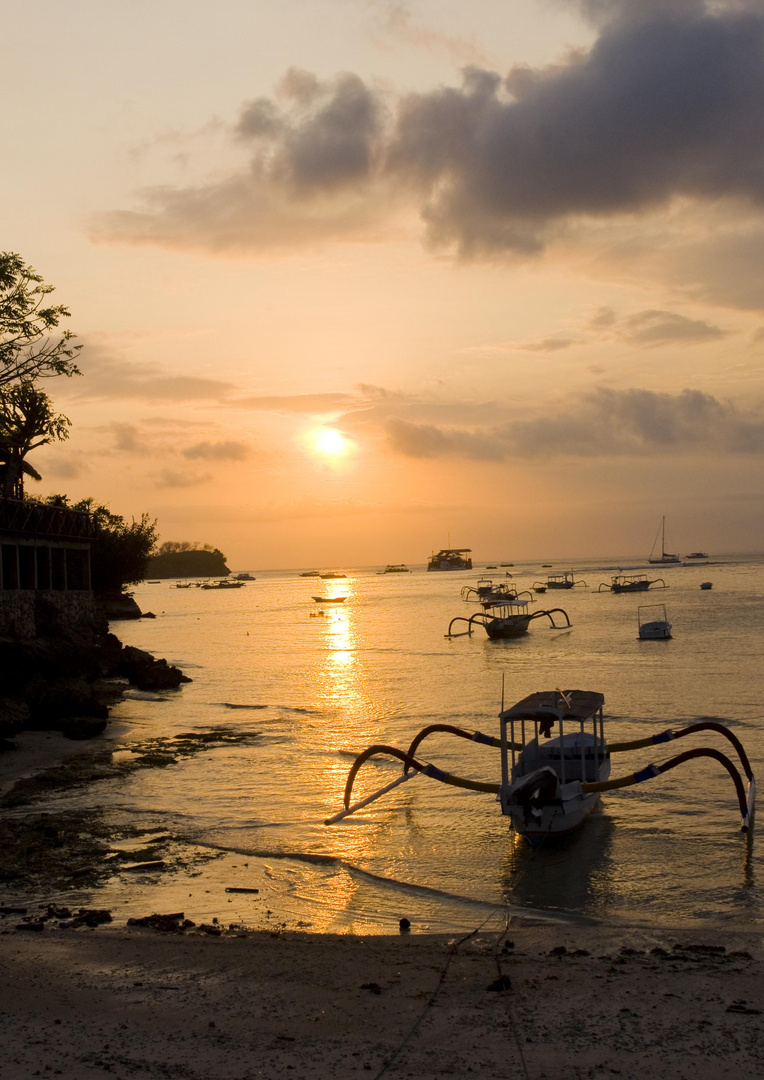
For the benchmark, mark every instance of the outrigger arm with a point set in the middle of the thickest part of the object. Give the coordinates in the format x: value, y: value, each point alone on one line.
x: 413, y: 767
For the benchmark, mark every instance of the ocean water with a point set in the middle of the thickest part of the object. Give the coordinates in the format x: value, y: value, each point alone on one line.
x: 283, y: 699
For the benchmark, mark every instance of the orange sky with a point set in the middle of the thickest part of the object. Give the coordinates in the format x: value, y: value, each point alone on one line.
x: 511, y: 252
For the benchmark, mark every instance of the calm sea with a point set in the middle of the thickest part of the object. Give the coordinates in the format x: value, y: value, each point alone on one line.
x: 284, y: 699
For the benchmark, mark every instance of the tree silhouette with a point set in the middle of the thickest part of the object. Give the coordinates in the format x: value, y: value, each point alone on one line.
x: 27, y: 421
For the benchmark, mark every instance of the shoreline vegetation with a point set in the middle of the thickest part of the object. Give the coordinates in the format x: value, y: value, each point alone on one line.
x: 180, y: 560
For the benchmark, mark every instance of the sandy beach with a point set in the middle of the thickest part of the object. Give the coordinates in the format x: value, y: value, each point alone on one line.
x: 535, y: 1002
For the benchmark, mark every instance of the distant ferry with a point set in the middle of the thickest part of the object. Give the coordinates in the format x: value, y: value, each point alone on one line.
x: 451, y: 559
x: 395, y: 568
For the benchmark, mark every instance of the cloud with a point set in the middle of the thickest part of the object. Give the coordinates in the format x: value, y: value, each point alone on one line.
x: 313, y: 174
x: 107, y: 374
x: 229, y: 450
x: 653, y: 328
x: 297, y: 403
x: 128, y: 439
x: 170, y: 478
x: 668, y: 104
x: 604, y: 423
x: 546, y: 345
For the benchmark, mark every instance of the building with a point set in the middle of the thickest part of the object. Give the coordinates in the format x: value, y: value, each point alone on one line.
x: 44, y: 565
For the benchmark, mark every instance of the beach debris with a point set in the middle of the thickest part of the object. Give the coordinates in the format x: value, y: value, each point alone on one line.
x: 742, y: 1006
x: 558, y: 950
x: 153, y: 864
x: 501, y: 984
x: 213, y: 931
x: 372, y: 987
x: 241, y: 889
x: 175, y: 923
x: 36, y: 924
x: 4, y: 910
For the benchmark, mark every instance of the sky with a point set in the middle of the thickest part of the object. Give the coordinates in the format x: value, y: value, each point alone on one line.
x: 356, y: 279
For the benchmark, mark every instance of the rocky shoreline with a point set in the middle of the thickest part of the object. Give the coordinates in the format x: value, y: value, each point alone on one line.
x: 67, y: 678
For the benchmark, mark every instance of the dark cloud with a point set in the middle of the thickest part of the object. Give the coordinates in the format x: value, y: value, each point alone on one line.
x: 605, y: 423
x: 658, y: 108
x: 229, y: 450
x: 668, y: 103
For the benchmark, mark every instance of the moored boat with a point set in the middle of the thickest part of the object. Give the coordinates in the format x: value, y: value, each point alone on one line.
x: 451, y: 559
x: 665, y: 558
x: 555, y: 763
x: 330, y: 599
x: 622, y: 583
x: 395, y: 568
x: 566, y: 580
x: 652, y: 622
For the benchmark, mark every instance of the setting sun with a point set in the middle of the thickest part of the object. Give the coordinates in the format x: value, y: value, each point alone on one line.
x: 330, y: 441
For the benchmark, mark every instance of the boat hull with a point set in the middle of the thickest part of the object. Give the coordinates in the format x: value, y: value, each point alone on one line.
x: 513, y: 627
x: 554, y: 820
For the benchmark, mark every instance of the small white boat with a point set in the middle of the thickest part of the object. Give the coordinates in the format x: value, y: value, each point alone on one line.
x: 653, y: 623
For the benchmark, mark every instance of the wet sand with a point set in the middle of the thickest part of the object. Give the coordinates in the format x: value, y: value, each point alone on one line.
x: 534, y: 1002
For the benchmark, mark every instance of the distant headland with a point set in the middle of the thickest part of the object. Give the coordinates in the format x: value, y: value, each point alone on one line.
x: 176, y: 559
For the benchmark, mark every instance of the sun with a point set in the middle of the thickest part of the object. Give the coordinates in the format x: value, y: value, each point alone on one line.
x: 329, y: 441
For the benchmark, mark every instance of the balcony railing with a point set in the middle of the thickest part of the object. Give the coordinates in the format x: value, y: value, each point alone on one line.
x: 24, y: 517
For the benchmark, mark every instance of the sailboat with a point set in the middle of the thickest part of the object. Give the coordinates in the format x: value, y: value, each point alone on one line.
x: 665, y: 558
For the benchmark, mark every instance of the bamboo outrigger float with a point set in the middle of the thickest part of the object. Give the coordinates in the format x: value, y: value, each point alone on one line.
x: 550, y: 783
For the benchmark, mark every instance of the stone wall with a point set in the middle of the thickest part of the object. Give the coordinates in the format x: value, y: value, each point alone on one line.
x: 30, y: 613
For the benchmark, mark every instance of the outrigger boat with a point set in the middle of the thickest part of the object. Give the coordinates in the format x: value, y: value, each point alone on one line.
x: 550, y: 783
x: 505, y: 617
x: 567, y: 580
x: 631, y: 583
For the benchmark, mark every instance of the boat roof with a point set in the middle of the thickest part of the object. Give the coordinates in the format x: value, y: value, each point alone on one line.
x: 571, y: 705
x: 453, y: 551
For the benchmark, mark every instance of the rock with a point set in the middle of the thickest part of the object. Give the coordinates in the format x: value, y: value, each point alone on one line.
x: 117, y: 606
x: 500, y: 985
x: 147, y: 673
x: 404, y: 925
x: 79, y: 728
x: 51, y: 701
x: 14, y: 714
x: 375, y: 988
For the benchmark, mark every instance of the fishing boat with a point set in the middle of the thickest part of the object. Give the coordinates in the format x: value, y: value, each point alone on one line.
x: 622, y: 583
x: 330, y: 599
x: 244, y: 576
x: 555, y: 763
x: 331, y: 575
x: 652, y: 622
x: 566, y: 580
x: 218, y: 585
x: 451, y: 559
x: 310, y: 573
x: 506, y: 618
x: 665, y: 558
x: 698, y: 556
